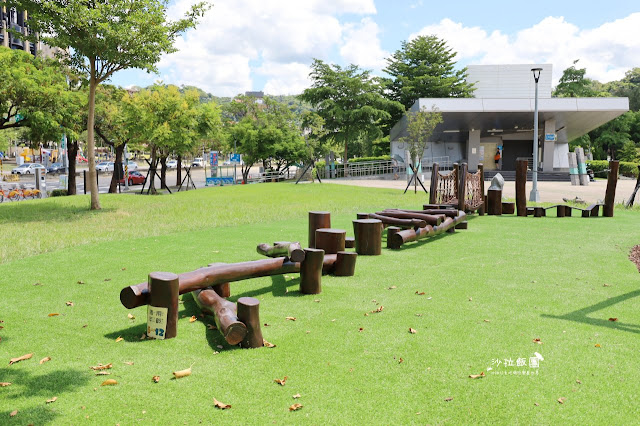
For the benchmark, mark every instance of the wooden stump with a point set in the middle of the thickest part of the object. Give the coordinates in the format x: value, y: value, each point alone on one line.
x: 368, y: 234
x: 462, y: 225
x: 345, y: 264
x: 349, y: 242
x: 330, y: 240
x: 508, y: 208
x: 317, y: 220
x: 249, y: 314
x: 391, y: 242
x: 560, y: 211
x: 362, y: 215
x: 163, y: 291
x: 530, y: 211
x: 539, y: 212
x: 609, y: 196
x: 567, y: 211
x: 521, y: 187
x: 494, y: 202
x: 311, y: 271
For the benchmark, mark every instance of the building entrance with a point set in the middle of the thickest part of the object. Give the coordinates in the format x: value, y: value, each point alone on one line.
x: 515, y: 149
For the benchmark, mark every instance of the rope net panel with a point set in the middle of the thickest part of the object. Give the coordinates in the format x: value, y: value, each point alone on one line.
x: 473, y: 191
x: 447, y: 188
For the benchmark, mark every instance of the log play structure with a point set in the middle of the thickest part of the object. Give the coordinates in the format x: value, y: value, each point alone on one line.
x: 453, y: 196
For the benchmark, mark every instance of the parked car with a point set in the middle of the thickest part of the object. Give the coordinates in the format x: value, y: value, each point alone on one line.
x: 172, y: 164
x: 197, y: 162
x: 135, y: 178
x: 28, y: 169
x: 56, y: 168
x: 105, y: 166
x: 133, y: 166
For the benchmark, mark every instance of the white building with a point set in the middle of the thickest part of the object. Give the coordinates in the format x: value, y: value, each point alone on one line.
x: 501, y: 115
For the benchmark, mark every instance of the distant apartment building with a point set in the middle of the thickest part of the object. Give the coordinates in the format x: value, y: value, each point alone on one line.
x: 17, y: 20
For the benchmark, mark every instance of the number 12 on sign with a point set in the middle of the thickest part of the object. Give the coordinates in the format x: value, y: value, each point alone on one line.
x: 156, y: 322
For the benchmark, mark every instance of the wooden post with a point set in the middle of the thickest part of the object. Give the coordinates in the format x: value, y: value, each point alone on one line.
x: 481, y: 210
x: 404, y: 223
x: 456, y: 186
x: 225, y: 314
x: 362, y: 215
x: 349, y: 242
x: 462, y: 225
x: 249, y: 314
x: 429, y: 219
x: 521, y: 187
x: 368, y: 233
x: 345, y: 264
x: 330, y: 240
x: 317, y: 220
x: 508, y: 208
x: 610, y: 195
x: 539, y: 212
x: 311, y: 271
x: 433, y: 187
x: 560, y: 211
x: 391, y: 231
x: 462, y: 187
x: 567, y: 211
x: 494, y: 203
x: 163, y: 291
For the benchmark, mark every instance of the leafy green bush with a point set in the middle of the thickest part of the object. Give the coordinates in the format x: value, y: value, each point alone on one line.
x: 59, y: 193
x: 626, y: 168
x: 362, y: 159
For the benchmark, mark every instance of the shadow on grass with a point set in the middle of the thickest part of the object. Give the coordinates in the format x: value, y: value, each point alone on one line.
x: 26, y: 212
x: 279, y: 288
x: 581, y: 314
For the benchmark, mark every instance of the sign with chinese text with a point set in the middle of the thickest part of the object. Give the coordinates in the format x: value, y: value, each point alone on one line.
x: 156, y: 322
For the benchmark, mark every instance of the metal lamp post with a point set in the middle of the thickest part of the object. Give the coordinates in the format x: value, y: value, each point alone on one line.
x: 535, y: 195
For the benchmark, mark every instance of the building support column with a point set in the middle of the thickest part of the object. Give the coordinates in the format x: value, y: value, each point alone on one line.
x: 25, y: 31
x: 549, y: 146
x: 473, y: 150
x: 5, y: 33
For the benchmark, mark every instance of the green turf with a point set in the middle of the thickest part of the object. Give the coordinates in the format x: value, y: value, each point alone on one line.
x: 528, y: 277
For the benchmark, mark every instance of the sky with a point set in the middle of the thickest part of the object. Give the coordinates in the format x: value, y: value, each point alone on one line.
x: 268, y: 45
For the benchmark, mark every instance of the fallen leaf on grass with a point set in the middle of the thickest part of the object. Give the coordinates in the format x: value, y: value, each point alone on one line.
x: 80, y: 282
x: 182, y: 373
x: 412, y: 331
x: 400, y: 361
x: 449, y: 399
x: 598, y: 345
x: 578, y: 381
x: 418, y: 315
x: 613, y: 319
x: 49, y: 401
x: 107, y: 279
x: 281, y: 382
x: 561, y: 400
x: 606, y: 285
x: 155, y: 379
x: 123, y: 269
x: 536, y: 404
x: 317, y: 300
x: 119, y: 339
x: 537, y: 340
x: 220, y: 405
x: 144, y: 336
x: 267, y: 344
x: 37, y: 283
x: 55, y: 314
x: 20, y: 358
x: 102, y: 373
x: 296, y: 396
x: 361, y: 329
x: 380, y: 308
x: 101, y: 367
x: 4, y: 384
x: 131, y: 317
x: 128, y: 362
x: 392, y: 287
x: 211, y: 327
x: 193, y: 319
x: 13, y: 413
x: 487, y: 320
x: 471, y: 299
x: 295, y: 407
x: 291, y: 318
x: 43, y: 360
x: 267, y: 325
x: 477, y: 376
x: 420, y: 293
x: 109, y: 382
x: 69, y: 303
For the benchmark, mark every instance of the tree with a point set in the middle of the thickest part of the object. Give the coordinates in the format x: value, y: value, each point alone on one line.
x: 628, y: 87
x: 611, y: 137
x: 425, y: 68
x: 103, y: 37
x: 420, y: 127
x: 573, y: 84
x: 350, y: 102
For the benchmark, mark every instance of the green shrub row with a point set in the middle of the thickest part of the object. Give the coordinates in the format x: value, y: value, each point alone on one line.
x: 362, y: 159
x: 58, y: 193
x: 626, y: 168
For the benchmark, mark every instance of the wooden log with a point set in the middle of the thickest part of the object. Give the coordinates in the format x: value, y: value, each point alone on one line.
x: 292, y: 250
x: 462, y: 225
x: 408, y: 235
x: 432, y: 206
x: 368, y: 234
x: 434, y: 183
x: 560, y: 211
x: 345, y: 264
x: 586, y: 213
x: 311, y: 271
x: 508, y: 208
x: 223, y: 289
x: 521, y: 187
x: 249, y: 314
x: 462, y: 187
x: 482, y: 209
x: 610, y: 195
x: 403, y: 223
x: 163, y: 293
x: 362, y: 215
x: 449, y: 212
x: 494, y: 202
x: 594, y: 210
x: 538, y: 212
x: 391, y: 231
x: 349, y: 242
x: 567, y: 211
x: 330, y: 240
x: 317, y: 220
x: 429, y: 219
x: 224, y: 312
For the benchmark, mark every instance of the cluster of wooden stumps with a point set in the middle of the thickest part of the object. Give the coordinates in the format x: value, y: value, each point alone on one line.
x: 495, y: 205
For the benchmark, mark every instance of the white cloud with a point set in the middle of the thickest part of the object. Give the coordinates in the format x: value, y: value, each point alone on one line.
x: 285, y: 79
x: 362, y: 45
x: 607, y: 51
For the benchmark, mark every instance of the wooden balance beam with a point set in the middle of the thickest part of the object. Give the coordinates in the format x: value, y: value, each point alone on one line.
x: 400, y: 237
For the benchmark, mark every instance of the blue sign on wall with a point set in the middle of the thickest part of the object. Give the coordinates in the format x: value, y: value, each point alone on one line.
x: 550, y: 137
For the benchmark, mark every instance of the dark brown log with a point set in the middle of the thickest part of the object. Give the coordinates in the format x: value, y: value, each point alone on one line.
x: 560, y: 211
x: 567, y: 211
x: 462, y: 225
x: 434, y: 183
x: 362, y: 215
x: 482, y: 209
x: 403, y: 223
x: 432, y: 206
x: 391, y: 231
x: 521, y: 187
x: 163, y: 293
x: 462, y: 187
x: 595, y: 210
x: 224, y: 289
x: 345, y: 264
x: 368, y: 234
x: 249, y: 314
x: 292, y: 250
x: 311, y: 271
x: 529, y: 211
x: 539, y: 212
x: 494, y: 202
x: 429, y: 219
x: 330, y: 240
x: 225, y: 314
x: 349, y: 242
x: 610, y: 195
x: 449, y: 212
x: 317, y: 220
x: 508, y: 208
x: 408, y: 235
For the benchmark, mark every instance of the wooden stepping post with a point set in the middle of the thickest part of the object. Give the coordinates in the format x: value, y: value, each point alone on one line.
x: 345, y: 264
x: 249, y: 314
x: 330, y: 240
x: 317, y: 220
x: 521, y: 187
x: 539, y: 212
x: 508, y: 208
x: 163, y: 292
x: 362, y: 215
x: 494, y: 202
x: 368, y: 234
x: 311, y: 271
x: 610, y: 195
x: 391, y: 242
x: 567, y: 211
x: 560, y: 211
x: 462, y: 225
x: 349, y: 242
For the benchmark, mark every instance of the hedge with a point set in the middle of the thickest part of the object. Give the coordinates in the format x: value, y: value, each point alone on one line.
x: 626, y: 168
x: 362, y: 159
x: 58, y: 193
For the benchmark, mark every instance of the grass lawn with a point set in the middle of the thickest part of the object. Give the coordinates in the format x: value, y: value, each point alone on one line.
x: 489, y: 292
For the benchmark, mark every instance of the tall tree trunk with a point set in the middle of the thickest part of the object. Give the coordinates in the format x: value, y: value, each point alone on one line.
x: 163, y: 171
x: 152, y: 172
x: 245, y: 172
x: 72, y: 153
x: 91, y: 155
x: 345, y: 161
x: 117, y: 167
x: 179, y: 171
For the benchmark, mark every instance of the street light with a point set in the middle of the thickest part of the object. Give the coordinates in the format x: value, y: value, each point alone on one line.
x: 535, y: 195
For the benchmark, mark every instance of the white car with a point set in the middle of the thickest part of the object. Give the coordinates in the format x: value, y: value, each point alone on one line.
x: 197, y: 162
x: 172, y: 164
x: 133, y: 166
x: 28, y: 169
x: 105, y: 166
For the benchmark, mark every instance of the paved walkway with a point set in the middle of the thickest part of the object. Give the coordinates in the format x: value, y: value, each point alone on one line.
x: 552, y: 192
